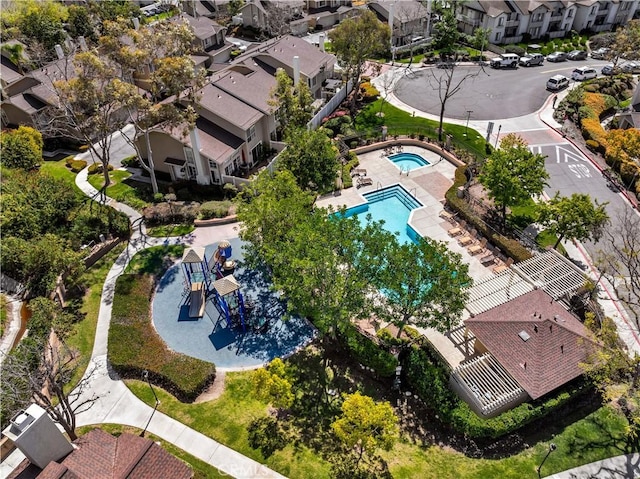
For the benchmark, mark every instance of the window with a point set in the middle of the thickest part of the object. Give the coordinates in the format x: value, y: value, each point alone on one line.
x: 625, y: 6
x: 570, y: 14
x: 314, y: 81
x: 498, y: 36
x: 251, y: 133
x: 191, y: 162
x: 500, y: 21
x: 594, y: 9
x: 537, y: 17
x: 207, y: 42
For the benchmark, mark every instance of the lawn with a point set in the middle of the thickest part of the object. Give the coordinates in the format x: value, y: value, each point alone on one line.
x: 58, y: 169
x: 133, y: 193
x: 170, y: 230
x: 597, y: 436
x: 400, y: 122
x: 154, y: 260
x: 525, y: 214
x: 201, y: 469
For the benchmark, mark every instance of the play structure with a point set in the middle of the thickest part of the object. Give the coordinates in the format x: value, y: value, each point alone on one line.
x: 222, y: 262
x: 229, y: 301
x: 195, y: 268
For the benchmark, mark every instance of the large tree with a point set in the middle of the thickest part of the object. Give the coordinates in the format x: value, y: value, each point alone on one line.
x: 21, y: 148
x: 312, y: 159
x: 429, y: 293
x: 357, y: 39
x: 513, y: 174
x: 574, y: 218
x: 625, y: 43
x: 445, y: 31
x: 39, y: 22
x: 365, y: 425
x: 293, y: 104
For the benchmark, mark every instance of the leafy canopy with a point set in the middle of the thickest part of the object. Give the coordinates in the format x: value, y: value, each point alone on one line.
x: 21, y: 148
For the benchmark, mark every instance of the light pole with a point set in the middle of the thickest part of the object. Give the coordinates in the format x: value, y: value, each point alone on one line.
x: 552, y: 447
x: 498, y: 136
x: 145, y: 374
x: 466, y: 127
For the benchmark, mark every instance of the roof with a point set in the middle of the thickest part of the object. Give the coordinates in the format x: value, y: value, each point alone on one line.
x: 194, y: 254
x: 226, y: 106
x: 203, y: 27
x: 27, y: 103
x: 249, y: 82
x: 404, y: 11
x: 8, y: 71
x: 226, y: 285
x: 535, y: 339
x: 99, y: 455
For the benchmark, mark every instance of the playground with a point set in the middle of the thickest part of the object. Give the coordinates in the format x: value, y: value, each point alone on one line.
x: 209, y: 306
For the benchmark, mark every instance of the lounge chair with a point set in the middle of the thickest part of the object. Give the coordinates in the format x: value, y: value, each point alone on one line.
x: 364, y: 181
x: 478, y: 247
x: 503, y: 267
x: 465, y: 240
x: 447, y: 216
x: 358, y: 172
x: 488, y: 259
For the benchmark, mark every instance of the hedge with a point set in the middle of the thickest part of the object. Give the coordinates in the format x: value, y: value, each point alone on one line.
x: 135, y: 346
x: 369, y: 353
x: 214, y: 209
x: 74, y: 165
x: 96, y: 168
x: 347, y: 181
x: 511, y: 247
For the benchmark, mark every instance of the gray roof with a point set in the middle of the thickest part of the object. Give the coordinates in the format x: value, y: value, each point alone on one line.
x: 203, y: 27
x: 229, y: 107
x: 249, y: 82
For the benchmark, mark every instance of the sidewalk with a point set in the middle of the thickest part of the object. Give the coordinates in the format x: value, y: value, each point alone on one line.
x: 115, y: 403
x: 619, y: 467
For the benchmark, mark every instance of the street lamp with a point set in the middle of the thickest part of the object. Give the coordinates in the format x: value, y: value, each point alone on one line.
x: 552, y: 447
x: 467, y: 125
x: 498, y: 135
x: 145, y: 374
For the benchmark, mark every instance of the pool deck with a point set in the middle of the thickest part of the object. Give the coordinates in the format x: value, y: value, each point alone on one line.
x: 429, y: 185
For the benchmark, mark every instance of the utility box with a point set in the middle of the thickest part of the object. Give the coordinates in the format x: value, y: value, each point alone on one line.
x: 36, y: 435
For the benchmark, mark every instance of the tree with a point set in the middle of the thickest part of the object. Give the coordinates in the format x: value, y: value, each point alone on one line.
x: 293, y: 104
x: 430, y: 293
x: 365, y: 425
x: 573, y: 218
x: 625, y: 43
x: 173, y: 86
x: 21, y: 148
x: 512, y: 174
x: 354, y: 41
x: 80, y: 22
x: 481, y: 39
x: 39, y: 21
x: 40, y: 373
x: 272, y: 384
x: 112, y: 10
x: 445, y: 32
x: 312, y: 159
x: 619, y: 261
x: 445, y: 81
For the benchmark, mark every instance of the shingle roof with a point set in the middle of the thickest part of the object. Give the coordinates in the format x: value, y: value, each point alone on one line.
x: 100, y: 455
x: 226, y: 106
x: 203, y: 27
x: 249, y: 81
x: 535, y: 339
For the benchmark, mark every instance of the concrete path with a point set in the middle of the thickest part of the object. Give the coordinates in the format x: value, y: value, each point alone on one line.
x: 114, y: 403
x: 620, y: 467
x: 14, y: 306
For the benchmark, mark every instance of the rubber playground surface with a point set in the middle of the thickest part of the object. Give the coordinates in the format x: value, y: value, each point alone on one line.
x: 210, y: 338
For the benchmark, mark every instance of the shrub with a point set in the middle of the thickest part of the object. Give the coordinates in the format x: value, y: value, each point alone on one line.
x: 96, y: 168
x: 368, y: 353
x: 214, y: 209
x: 135, y: 346
x: 166, y: 213
x: 88, y: 226
x: 352, y: 162
x: 515, y: 49
x: 131, y: 162
x: 339, y: 125
x: 593, y: 145
x: 74, y: 165
x: 370, y: 94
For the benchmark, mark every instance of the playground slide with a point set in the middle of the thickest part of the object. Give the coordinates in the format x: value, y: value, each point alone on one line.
x: 196, y: 301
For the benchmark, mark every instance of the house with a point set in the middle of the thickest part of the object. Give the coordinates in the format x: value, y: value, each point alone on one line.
x: 410, y: 19
x: 201, y: 8
x: 602, y: 16
x: 524, y: 349
x: 271, y: 16
x: 98, y: 454
x: 321, y: 15
x: 209, y: 38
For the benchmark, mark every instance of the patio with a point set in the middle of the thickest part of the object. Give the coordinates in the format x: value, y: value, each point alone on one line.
x: 210, y: 338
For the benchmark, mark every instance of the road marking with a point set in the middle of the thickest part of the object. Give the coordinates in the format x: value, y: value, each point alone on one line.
x: 568, y: 67
x: 549, y: 144
x: 580, y: 171
x: 568, y: 155
x: 536, y: 149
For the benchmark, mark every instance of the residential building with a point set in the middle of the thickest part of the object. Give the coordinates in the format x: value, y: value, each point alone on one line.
x: 410, y: 19
x: 209, y: 39
x: 271, y: 16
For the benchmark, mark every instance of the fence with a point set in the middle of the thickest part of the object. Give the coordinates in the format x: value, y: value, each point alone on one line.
x: 330, y: 106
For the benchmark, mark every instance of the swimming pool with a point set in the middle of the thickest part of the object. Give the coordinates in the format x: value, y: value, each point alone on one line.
x: 408, y: 161
x: 393, y: 205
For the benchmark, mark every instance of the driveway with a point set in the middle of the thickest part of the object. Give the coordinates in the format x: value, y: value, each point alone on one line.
x: 491, y: 95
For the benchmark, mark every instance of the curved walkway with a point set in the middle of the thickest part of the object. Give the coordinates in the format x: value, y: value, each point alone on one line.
x: 114, y: 402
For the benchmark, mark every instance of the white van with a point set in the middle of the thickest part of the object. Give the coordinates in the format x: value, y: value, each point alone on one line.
x: 557, y: 82
x: 584, y: 73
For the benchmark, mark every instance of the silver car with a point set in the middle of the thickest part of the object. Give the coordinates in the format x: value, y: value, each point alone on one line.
x: 532, y: 59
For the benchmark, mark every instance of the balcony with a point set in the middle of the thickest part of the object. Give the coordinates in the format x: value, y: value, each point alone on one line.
x: 512, y: 23
x: 509, y: 40
x: 474, y: 22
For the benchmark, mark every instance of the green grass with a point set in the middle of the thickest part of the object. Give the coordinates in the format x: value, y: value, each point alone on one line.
x: 154, y: 260
x: 3, y: 313
x: 525, y: 214
x: 201, y: 469
x: 598, y: 436
x: 84, y: 332
x: 58, y: 169
x: 625, y: 103
x: 170, y: 230
x: 400, y: 122
x: 132, y: 193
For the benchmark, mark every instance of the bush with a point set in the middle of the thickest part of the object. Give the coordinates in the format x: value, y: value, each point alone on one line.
x: 214, y: 209
x: 131, y: 162
x: 167, y: 213
x: 88, y: 226
x: 368, y: 353
x: 75, y: 165
x: 347, y: 181
x: 515, y: 49
x: 96, y: 168
x: 135, y: 346
x: 593, y: 145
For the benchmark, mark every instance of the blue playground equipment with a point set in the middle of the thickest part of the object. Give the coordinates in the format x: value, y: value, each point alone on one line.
x: 195, y: 268
x: 222, y: 262
x: 229, y: 301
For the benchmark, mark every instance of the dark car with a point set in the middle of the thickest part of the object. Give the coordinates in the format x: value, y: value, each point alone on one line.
x: 577, y: 55
x: 557, y: 57
x: 600, y: 53
x: 610, y: 69
x: 631, y: 67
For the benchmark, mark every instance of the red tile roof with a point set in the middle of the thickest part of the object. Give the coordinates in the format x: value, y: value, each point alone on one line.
x: 100, y: 455
x: 556, y: 341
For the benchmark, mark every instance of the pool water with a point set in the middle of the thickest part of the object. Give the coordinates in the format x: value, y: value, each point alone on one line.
x: 408, y: 161
x: 393, y: 205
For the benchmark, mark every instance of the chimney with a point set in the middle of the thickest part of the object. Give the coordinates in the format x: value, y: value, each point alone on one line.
x: 59, y: 51
x: 37, y: 437
x: 83, y: 43
x: 321, y: 42
x: 296, y: 70
x: 136, y: 22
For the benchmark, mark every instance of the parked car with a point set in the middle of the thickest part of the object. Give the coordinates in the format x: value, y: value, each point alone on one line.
x: 532, y: 59
x: 600, y: 53
x: 557, y: 57
x: 631, y: 67
x: 584, y: 73
x: 577, y: 55
x: 557, y: 82
x: 610, y: 69
x: 505, y: 60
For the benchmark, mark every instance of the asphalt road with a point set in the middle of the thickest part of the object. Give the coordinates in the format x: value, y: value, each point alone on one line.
x: 491, y: 95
